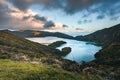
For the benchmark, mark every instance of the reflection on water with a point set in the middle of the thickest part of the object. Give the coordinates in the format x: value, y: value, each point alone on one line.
x: 80, y: 50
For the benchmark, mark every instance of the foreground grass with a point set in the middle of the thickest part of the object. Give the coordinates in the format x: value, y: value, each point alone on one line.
x: 12, y: 70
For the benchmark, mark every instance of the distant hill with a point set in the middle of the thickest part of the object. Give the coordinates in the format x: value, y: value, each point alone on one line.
x: 104, y: 36
x: 32, y: 33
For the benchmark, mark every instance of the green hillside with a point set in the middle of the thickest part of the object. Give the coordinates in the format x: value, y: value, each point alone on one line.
x: 107, y: 61
x: 11, y: 70
x: 104, y: 36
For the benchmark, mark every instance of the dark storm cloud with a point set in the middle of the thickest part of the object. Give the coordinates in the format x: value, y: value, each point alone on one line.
x: 100, y: 17
x: 25, y: 4
x: 65, y: 26
x: 49, y: 24
x: 71, y: 6
x: 41, y: 18
x: 74, y: 6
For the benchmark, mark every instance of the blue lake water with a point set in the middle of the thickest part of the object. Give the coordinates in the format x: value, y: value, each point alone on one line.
x: 80, y: 50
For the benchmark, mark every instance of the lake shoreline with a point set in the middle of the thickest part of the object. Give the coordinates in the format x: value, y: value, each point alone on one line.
x: 80, y: 49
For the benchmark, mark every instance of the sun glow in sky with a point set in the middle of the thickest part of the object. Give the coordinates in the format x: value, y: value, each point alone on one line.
x: 69, y: 16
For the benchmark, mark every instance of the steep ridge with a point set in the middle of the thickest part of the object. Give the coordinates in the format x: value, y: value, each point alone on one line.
x: 103, y: 37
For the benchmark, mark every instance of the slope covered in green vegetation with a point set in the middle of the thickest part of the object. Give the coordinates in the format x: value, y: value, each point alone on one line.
x: 12, y: 70
x: 108, y: 58
x: 103, y: 37
x: 11, y: 44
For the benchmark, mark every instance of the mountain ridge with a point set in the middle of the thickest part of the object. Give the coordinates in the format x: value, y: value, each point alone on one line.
x: 104, y: 36
x: 35, y: 33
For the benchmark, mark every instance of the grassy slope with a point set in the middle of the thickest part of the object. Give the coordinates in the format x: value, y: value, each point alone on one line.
x: 14, y: 70
x: 11, y: 70
x: 11, y: 44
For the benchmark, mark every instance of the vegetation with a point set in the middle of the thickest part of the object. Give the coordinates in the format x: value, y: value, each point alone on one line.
x: 23, y: 51
x: 66, y: 51
x: 32, y: 33
x: 21, y: 59
x: 12, y: 70
x: 11, y: 44
x: 103, y: 37
x: 57, y: 44
x: 107, y: 60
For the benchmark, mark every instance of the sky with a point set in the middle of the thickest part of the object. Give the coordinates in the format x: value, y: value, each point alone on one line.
x: 68, y: 16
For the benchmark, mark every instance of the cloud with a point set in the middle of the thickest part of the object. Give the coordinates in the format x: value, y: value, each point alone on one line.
x: 20, y: 15
x: 104, y: 8
x: 100, y: 16
x: 41, y: 18
x: 49, y: 24
x: 65, y: 26
x: 14, y: 18
x: 84, y: 21
x: 115, y: 17
x: 25, y: 4
x: 79, y: 29
x: 72, y: 6
x: 3, y: 12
